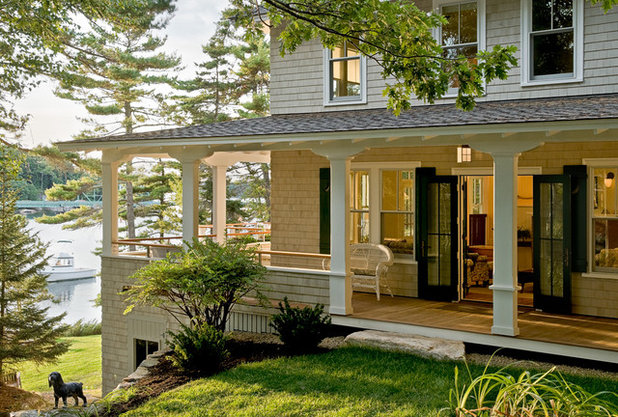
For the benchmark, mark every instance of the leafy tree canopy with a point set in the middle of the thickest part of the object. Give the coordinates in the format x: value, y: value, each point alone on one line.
x: 396, y: 34
x: 34, y: 35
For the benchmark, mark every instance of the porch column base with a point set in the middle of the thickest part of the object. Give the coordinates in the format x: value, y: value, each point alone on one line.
x: 340, y: 291
x: 505, y: 310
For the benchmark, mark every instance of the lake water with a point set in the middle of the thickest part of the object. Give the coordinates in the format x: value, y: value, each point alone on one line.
x: 73, y: 297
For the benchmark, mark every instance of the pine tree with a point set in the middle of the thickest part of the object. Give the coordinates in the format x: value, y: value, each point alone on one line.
x: 118, y: 79
x: 26, y: 332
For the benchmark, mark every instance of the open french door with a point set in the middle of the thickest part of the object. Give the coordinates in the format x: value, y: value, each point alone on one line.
x: 437, y: 230
x: 552, y: 243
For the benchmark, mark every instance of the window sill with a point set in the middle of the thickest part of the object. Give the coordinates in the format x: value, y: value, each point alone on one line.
x: 540, y: 83
x: 600, y: 275
x: 344, y: 103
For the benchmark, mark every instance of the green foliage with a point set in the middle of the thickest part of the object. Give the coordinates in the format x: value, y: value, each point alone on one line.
x: 202, y: 282
x: 81, y: 363
x: 397, y: 35
x: 200, y: 348
x: 300, y: 329
x: 607, y: 5
x: 548, y: 393
x: 26, y: 331
x: 83, y: 328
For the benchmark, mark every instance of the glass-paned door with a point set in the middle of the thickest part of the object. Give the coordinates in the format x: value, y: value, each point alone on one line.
x: 552, y: 243
x: 437, y: 255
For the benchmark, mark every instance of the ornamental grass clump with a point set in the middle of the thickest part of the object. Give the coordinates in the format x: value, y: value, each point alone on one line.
x: 545, y: 394
x: 201, y: 348
x: 301, y: 329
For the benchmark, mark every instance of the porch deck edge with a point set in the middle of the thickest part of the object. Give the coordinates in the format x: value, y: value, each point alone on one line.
x: 482, y: 339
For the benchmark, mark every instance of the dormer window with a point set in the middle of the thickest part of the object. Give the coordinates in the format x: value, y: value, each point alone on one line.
x: 552, y: 43
x: 344, y: 75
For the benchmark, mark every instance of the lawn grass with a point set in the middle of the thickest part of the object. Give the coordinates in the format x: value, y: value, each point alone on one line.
x: 81, y: 363
x: 345, y: 382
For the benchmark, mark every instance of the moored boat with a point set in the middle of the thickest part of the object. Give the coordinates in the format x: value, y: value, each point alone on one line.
x: 62, y: 267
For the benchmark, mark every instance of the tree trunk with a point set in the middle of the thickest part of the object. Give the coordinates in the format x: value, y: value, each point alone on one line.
x: 128, y: 114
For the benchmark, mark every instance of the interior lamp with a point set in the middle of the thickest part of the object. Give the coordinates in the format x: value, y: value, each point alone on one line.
x: 464, y: 154
x: 609, y: 180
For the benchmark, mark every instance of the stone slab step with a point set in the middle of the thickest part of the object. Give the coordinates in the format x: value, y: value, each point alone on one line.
x: 408, y: 343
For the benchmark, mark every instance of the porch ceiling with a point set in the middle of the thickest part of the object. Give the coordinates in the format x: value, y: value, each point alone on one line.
x: 579, y: 118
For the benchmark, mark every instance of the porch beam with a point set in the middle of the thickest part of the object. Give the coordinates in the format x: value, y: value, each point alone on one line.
x: 505, y: 244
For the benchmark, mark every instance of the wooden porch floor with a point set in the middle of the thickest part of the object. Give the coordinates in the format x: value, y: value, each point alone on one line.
x: 581, y: 331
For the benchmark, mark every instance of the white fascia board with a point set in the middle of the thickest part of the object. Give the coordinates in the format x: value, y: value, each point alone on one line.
x: 308, y: 138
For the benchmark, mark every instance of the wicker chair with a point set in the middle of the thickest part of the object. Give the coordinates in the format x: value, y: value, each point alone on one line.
x: 369, y: 264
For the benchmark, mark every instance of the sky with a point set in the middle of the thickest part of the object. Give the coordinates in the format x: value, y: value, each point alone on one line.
x: 54, y: 119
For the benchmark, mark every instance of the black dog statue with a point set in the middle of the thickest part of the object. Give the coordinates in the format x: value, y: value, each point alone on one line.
x: 62, y: 390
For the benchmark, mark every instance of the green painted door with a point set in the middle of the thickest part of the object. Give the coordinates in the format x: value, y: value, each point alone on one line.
x: 437, y: 236
x: 552, y: 243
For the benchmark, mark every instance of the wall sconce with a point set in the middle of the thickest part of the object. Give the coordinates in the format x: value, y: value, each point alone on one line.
x: 464, y: 154
x: 609, y: 180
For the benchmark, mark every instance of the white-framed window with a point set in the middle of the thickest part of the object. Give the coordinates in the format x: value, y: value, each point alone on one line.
x: 382, y: 201
x: 552, y: 41
x: 397, y: 210
x: 464, y: 33
x: 604, y: 218
x: 344, y: 75
x: 359, y: 206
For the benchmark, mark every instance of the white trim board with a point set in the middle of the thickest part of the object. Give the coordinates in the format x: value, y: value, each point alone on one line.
x: 472, y: 171
x: 482, y: 339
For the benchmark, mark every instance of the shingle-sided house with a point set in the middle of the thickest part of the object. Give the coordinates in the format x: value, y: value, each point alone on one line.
x: 503, y: 221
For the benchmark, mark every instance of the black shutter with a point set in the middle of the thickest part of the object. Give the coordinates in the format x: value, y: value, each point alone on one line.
x: 325, y: 210
x: 579, y: 218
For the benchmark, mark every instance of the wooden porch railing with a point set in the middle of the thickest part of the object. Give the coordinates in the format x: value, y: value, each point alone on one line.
x: 159, y: 246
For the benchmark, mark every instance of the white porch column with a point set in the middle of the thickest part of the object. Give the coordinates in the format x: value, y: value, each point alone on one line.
x: 505, y: 244
x: 219, y: 198
x: 110, y: 206
x: 190, y: 158
x: 340, y: 279
x: 190, y: 199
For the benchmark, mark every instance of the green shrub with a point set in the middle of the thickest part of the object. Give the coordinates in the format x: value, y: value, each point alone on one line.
x: 203, y: 282
x: 300, y: 329
x: 83, y: 328
x: 200, y: 348
x: 528, y: 395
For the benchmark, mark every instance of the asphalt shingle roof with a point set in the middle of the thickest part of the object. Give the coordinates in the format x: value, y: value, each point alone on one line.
x: 441, y: 115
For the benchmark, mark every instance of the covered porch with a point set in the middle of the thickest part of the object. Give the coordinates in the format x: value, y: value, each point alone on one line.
x: 584, y: 337
x: 338, y: 139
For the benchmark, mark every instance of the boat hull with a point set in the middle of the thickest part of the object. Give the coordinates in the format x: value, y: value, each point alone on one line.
x: 69, y: 274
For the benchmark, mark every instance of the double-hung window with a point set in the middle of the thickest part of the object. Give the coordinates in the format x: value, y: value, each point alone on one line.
x: 382, y: 198
x: 464, y: 33
x: 552, y: 41
x: 359, y: 210
x: 397, y: 214
x: 344, y: 74
x: 605, y: 219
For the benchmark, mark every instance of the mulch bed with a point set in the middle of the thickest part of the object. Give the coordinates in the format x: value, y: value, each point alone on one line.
x: 165, y: 376
x: 15, y: 399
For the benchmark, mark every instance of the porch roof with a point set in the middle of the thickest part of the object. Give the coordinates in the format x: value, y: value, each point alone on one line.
x: 426, y: 118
